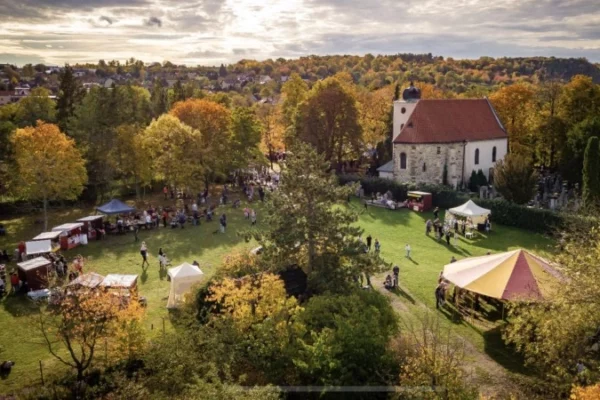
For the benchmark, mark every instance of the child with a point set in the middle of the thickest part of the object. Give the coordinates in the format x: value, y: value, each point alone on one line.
x: 253, y: 217
x: 377, y: 246
x: 407, y: 248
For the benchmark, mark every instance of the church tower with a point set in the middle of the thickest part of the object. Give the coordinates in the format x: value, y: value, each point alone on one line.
x: 403, y: 108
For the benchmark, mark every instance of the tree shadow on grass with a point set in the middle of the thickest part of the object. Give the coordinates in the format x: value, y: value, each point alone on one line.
x: 398, y: 291
x: 453, y: 249
x: 503, y: 354
x: 19, y: 305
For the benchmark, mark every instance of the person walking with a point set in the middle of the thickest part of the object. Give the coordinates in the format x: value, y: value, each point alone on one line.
x: 377, y: 246
x: 144, y: 253
x: 396, y: 271
x: 439, y: 290
x: 223, y: 223
x: 408, y: 249
x: 369, y: 239
x: 253, y: 217
x: 136, y: 230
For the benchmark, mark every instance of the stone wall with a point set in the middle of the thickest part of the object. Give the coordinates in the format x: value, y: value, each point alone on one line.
x: 434, y: 157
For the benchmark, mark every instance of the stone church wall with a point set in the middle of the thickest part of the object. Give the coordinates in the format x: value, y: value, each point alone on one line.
x: 425, y: 162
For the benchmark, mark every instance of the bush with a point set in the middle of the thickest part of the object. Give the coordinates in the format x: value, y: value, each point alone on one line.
x: 503, y: 212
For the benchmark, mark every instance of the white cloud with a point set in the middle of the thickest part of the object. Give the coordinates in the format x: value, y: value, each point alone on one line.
x: 215, y: 31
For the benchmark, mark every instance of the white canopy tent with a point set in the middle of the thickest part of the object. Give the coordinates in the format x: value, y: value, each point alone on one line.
x: 472, y: 211
x: 183, y: 278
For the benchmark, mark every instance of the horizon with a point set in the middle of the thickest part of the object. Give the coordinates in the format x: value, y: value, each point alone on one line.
x: 213, y: 32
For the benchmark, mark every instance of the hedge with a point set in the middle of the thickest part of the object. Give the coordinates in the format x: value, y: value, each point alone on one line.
x: 503, y: 212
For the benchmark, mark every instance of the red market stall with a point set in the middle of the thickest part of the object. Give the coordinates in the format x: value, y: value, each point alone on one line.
x: 35, y: 272
x: 70, y: 236
x: 420, y: 201
x: 91, y: 225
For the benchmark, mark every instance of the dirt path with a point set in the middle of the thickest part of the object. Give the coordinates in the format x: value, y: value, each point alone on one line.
x: 484, y: 372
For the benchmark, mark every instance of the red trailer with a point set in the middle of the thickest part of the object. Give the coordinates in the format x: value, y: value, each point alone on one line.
x: 420, y: 201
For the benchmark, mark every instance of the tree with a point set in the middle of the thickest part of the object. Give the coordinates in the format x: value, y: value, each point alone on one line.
x: 591, y: 173
x: 481, y: 179
x: 174, y: 149
x: 212, y: 120
x: 48, y: 165
x: 222, y: 71
x: 245, y: 139
x: 329, y: 120
x: 515, y: 179
x: 70, y: 95
x: 578, y: 137
x: 130, y: 158
x: 307, y: 229
x: 557, y: 333
x: 294, y: 92
x: 37, y: 106
x: 473, y: 182
x: 159, y: 99
x: 80, y: 323
x: 513, y: 104
x: 271, y: 129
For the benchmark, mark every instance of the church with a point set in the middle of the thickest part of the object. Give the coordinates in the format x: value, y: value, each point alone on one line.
x: 456, y: 135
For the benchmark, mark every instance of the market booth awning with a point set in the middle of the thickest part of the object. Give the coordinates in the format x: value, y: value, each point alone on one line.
x: 183, y: 278
x: 514, y: 275
x: 115, y: 207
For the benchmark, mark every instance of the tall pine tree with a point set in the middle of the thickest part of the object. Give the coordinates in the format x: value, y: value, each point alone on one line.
x: 70, y: 95
x: 591, y: 173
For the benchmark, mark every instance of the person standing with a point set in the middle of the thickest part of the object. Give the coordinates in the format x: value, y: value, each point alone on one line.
x: 144, y: 253
x: 136, y: 230
x: 408, y: 249
x: 396, y: 271
x: 436, y: 212
x: 369, y: 239
x: 438, y: 295
x: 166, y: 192
x: 253, y: 217
x: 377, y: 246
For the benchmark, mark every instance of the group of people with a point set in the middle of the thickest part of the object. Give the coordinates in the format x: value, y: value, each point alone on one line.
x: 369, y: 242
x: 250, y: 213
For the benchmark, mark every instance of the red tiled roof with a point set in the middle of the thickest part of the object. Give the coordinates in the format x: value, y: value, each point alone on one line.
x: 451, y: 120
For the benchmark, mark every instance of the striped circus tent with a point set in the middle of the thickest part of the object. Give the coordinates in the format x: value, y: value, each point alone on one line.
x: 514, y: 275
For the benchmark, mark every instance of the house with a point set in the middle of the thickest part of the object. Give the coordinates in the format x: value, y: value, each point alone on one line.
x: 452, y: 137
x: 6, y: 97
x: 79, y: 73
x: 22, y: 90
x: 263, y: 79
x: 109, y: 82
x: 284, y: 78
x: 387, y: 170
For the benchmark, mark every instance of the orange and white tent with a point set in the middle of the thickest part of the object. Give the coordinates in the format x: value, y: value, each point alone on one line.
x: 514, y: 275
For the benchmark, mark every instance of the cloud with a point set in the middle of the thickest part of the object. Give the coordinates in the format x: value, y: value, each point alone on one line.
x: 106, y: 19
x: 153, y: 21
x: 215, y: 31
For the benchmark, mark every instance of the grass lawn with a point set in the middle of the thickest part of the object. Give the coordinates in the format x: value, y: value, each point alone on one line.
x: 120, y: 254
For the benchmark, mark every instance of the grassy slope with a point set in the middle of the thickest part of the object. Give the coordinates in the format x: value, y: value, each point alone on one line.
x: 121, y: 255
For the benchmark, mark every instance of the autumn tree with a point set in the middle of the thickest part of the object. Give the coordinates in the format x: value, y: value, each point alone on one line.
x: 159, y: 99
x: 591, y: 173
x: 48, y: 165
x: 294, y: 92
x: 515, y: 178
x: 271, y: 129
x: 307, y: 228
x: 514, y: 105
x: 70, y: 94
x: 130, y: 158
x: 245, y: 139
x: 329, y: 120
x: 577, y: 139
x: 36, y: 106
x: 174, y: 149
x: 82, y: 321
x: 557, y: 333
x: 212, y: 120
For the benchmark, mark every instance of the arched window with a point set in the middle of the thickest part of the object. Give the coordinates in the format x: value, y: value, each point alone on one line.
x: 402, y: 160
x: 476, y: 156
x: 494, y: 154
x: 403, y: 110
x: 424, y: 167
x: 401, y: 126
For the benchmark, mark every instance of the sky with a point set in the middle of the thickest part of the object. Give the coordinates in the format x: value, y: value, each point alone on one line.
x: 211, y: 32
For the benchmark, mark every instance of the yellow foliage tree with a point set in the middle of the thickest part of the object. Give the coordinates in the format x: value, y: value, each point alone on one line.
x: 129, y: 156
x: 514, y: 105
x: 174, y: 148
x: 48, y: 165
x: 272, y: 129
x: 212, y: 120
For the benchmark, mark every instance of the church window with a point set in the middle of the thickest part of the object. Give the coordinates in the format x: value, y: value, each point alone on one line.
x: 424, y: 167
x: 494, y: 154
x: 439, y: 150
x: 403, y: 110
x: 476, y: 156
x: 402, y: 160
x: 401, y: 126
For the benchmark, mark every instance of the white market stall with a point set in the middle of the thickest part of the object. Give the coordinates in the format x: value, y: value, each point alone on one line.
x: 71, y: 235
x: 469, y: 214
x: 91, y: 225
x: 52, y: 236
x: 38, y: 248
x: 183, y: 278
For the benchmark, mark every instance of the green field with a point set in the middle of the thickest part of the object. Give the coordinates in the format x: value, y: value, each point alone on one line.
x: 120, y: 254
